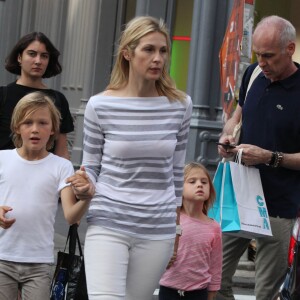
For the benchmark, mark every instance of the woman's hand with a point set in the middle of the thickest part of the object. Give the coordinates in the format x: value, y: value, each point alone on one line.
x: 82, y: 186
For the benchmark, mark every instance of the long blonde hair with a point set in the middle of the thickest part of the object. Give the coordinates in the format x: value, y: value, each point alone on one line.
x: 28, y: 105
x: 130, y: 38
x: 212, y: 193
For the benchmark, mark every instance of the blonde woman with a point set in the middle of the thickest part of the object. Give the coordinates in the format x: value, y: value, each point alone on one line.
x: 135, y: 137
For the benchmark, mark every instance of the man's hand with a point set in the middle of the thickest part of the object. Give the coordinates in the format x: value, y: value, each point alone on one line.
x: 5, y: 222
x: 226, y: 151
x: 253, y: 155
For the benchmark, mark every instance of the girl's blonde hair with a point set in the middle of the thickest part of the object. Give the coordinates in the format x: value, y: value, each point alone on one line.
x: 130, y: 38
x: 28, y: 105
x: 212, y: 193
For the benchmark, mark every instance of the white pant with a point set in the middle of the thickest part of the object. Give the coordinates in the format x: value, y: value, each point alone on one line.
x: 119, y: 266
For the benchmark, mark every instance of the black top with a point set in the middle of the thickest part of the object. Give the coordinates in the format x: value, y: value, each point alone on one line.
x: 271, y: 120
x: 10, y: 96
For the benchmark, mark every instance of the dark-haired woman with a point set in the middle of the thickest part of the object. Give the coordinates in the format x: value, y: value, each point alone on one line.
x: 33, y: 58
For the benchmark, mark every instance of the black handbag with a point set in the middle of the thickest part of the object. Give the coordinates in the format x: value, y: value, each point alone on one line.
x: 69, y: 282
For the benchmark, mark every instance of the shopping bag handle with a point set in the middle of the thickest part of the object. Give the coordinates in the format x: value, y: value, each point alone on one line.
x: 72, y: 238
x: 222, y: 194
x: 238, y: 157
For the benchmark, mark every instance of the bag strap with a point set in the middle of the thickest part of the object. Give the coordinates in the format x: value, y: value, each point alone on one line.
x: 238, y: 157
x: 72, y: 238
x: 222, y: 193
x: 254, y: 74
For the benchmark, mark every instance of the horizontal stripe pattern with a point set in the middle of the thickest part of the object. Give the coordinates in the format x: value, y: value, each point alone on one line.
x: 134, y: 151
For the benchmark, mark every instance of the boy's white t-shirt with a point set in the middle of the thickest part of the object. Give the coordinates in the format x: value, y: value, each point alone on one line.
x: 32, y: 189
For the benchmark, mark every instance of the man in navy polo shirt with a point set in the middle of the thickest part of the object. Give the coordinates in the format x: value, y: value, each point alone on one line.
x: 270, y: 139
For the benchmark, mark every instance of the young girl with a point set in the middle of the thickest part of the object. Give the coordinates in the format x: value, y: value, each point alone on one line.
x: 195, y: 270
x: 31, y: 181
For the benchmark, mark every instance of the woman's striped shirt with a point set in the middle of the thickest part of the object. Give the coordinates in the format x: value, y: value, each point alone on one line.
x: 134, y: 151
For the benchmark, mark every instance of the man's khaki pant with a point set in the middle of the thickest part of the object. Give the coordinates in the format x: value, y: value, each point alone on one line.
x: 270, y: 262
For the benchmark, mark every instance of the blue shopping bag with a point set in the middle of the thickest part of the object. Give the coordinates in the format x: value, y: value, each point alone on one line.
x: 225, y: 210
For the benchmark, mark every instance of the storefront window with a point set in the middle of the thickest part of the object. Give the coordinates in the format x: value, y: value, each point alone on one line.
x: 181, y: 43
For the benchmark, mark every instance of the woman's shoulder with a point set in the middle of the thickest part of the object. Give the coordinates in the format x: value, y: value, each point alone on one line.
x: 57, y: 94
x: 186, y: 101
x: 13, y: 87
x: 112, y: 93
x: 21, y: 87
x: 24, y: 89
x: 97, y: 97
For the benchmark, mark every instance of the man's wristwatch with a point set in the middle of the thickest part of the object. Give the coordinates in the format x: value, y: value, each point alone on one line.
x: 276, y: 159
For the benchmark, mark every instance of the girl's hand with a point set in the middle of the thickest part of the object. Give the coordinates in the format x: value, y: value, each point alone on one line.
x: 5, y: 222
x: 82, y: 186
x: 172, y: 260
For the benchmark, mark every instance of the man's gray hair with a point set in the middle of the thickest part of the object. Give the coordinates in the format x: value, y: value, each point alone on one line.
x: 285, y: 28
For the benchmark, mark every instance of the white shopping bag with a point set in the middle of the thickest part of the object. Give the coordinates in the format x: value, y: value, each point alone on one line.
x: 240, y: 206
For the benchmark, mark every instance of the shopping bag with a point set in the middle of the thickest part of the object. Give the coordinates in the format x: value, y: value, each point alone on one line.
x: 69, y: 282
x: 240, y: 206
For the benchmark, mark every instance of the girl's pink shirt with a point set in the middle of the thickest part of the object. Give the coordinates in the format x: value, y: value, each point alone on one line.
x: 199, y: 257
